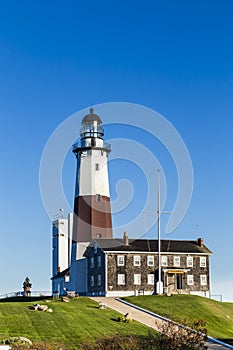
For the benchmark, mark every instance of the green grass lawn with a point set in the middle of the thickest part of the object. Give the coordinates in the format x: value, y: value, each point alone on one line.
x: 219, y: 316
x: 69, y: 324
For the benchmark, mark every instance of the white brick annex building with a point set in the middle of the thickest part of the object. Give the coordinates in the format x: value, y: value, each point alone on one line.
x: 87, y: 260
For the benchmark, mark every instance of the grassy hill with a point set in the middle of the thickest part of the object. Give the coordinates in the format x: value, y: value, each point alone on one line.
x: 69, y: 324
x: 81, y: 319
x: 219, y: 316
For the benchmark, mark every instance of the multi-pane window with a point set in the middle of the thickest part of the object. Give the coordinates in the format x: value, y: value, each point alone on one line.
x: 95, y: 248
x: 137, y: 279
x: 137, y: 260
x: 176, y: 261
x: 92, y: 263
x: 203, y: 280
x: 120, y: 260
x: 97, y: 197
x: 92, y: 281
x: 164, y: 260
x: 99, y: 280
x: 120, y: 279
x: 202, y: 261
x: 151, y: 279
x: 98, y: 261
x: 189, y: 261
x: 150, y: 260
x: 97, y: 166
x: 190, y: 280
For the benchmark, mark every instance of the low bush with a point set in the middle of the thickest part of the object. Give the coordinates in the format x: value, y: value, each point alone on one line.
x: 172, y: 337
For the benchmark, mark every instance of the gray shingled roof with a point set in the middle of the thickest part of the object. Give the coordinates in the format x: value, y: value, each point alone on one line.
x: 62, y: 273
x: 150, y: 245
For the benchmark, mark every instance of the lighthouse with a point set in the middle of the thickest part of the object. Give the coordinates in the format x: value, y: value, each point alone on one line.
x: 92, y: 211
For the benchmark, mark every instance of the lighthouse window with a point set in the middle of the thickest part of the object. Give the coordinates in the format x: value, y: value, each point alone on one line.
x: 97, y: 166
x: 98, y: 198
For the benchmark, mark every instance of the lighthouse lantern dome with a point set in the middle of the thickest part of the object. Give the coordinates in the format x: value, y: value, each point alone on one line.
x: 91, y: 126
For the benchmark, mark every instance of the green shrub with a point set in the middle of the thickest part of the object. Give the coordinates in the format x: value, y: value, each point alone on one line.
x: 190, y: 337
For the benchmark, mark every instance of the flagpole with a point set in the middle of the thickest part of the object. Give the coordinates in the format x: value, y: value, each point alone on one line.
x: 159, y: 288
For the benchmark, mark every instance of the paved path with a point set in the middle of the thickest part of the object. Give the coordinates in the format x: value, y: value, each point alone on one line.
x: 143, y: 317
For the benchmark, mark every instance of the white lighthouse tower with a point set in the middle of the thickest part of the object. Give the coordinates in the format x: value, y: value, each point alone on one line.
x: 92, y: 211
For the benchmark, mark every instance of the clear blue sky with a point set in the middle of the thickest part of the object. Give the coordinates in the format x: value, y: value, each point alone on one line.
x: 58, y: 57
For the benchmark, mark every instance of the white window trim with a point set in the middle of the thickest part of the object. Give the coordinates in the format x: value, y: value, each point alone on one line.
x: 151, y: 279
x: 150, y: 258
x: 118, y: 260
x: 135, y: 259
x: 203, y: 277
x: 189, y: 258
x: 202, y: 261
x: 121, y: 277
x: 163, y: 263
x: 176, y: 257
x: 190, y: 280
x: 137, y: 279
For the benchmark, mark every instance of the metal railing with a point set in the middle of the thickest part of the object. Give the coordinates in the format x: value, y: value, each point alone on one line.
x: 22, y: 293
x: 81, y: 144
x: 217, y: 297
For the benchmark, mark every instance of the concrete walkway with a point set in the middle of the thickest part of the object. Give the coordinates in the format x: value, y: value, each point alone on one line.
x: 144, y: 318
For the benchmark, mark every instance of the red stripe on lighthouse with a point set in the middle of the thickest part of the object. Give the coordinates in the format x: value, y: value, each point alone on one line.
x: 92, y: 218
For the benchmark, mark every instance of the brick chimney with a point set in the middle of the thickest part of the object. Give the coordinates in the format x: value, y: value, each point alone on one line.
x: 200, y: 242
x: 126, y: 238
